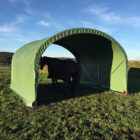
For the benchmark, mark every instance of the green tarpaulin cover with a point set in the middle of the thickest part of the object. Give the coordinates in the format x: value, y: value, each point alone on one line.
x: 103, y: 62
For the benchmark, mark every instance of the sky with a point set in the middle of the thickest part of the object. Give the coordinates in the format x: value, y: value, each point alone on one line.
x: 23, y: 21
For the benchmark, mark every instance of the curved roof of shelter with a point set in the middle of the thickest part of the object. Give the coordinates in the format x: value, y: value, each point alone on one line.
x: 61, y: 35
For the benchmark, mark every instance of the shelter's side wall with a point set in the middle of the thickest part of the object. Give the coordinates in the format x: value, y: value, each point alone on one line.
x: 118, y: 70
x: 96, y: 61
x: 23, y: 74
x: 104, y: 66
x: 96, y: 70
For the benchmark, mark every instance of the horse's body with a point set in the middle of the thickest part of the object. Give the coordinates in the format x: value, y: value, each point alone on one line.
x: 62, y: 68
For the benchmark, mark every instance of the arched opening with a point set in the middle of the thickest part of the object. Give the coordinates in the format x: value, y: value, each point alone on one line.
x: 48, y: 93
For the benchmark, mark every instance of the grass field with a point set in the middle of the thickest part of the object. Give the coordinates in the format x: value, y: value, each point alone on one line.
x: 93, y: 114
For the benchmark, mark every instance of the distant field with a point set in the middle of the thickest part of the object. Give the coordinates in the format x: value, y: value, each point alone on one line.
x: 135, y: 64
x: 5, y: 69
x: 5, y: 57
x: 92, y: 114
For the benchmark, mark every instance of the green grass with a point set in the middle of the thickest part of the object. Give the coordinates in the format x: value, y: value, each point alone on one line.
x: 92, y: 114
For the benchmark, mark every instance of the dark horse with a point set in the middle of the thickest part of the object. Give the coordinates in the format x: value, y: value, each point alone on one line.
x: 64, y: 69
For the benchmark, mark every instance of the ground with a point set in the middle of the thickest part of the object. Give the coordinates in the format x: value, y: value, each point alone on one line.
x: 92, y: 114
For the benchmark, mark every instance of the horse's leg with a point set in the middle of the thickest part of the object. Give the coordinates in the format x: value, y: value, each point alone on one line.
x: 73, y: 85
x: 56, y: 83
x: 53, y: 82
x: 69, y: 84
x: 75, y: 81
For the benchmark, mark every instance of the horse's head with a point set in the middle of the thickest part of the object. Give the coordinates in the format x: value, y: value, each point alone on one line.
x: 42, y: 63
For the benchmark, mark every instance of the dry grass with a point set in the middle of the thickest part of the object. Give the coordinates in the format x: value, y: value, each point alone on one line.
x: 134, y: 64
x: 134, y: 68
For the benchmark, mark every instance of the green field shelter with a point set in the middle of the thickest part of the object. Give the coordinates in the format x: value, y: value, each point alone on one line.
x: 103, y: 62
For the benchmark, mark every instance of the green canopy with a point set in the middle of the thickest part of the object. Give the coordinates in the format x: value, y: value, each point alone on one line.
x: 103, y: 62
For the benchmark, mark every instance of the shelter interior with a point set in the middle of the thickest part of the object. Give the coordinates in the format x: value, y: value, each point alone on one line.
x: 94, y: 54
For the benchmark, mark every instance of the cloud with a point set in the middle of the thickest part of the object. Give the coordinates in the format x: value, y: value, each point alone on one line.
x: 103, y: 12
x: 135, y: 20
x: 22, y: 39
x: 50, y: 24
x: 6, y: 29
x: 9, y: 28
x: 28, y: 8
x: 20, y: 19
x: 44, y: 23
x: 88, y: 24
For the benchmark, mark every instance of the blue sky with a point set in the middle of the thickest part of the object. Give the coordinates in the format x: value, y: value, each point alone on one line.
x: 23, y: 21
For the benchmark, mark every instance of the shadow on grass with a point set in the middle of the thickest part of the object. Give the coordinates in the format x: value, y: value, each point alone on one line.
x: 47, y: 94
x: 134, y: 80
